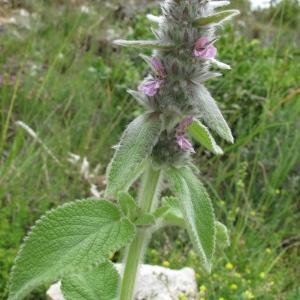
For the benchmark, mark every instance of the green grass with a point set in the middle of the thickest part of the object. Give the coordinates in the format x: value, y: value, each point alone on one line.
x: 70, y: 88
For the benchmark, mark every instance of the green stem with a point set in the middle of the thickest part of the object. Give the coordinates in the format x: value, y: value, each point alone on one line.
x: 148, y: 201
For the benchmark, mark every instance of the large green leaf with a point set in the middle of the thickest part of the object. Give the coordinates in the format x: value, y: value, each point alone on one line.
x: 202, y: 135
x: 99, y: 283
x: 145, y: 44
x: 71, y: 237
x: 197, y: 211
x: 216, y: 18
x: 135, y: 147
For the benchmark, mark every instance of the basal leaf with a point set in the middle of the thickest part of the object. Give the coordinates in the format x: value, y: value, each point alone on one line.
x: 216, y: 18
x: 202, y: 135
x: 135, y: 147
x: 71, y: 237
x: 197, y: 211
x: 145, y: 44
x: 211, y: 114
x: 99, y: 283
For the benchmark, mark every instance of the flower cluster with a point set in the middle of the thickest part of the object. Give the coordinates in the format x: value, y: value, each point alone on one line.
x: 181, y: 63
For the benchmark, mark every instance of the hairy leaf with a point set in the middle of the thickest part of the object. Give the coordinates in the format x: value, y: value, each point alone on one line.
x: 216, y: 18
x: 141, y: 98
x: 135, y: 146
x: 197, y: 210
x: 211, y: 114
x: 155, y: 19
x: 202, y: 135
x: 223, y: 239
x: 71, y: 237
x: 128, y: 205
x: 218, y: 3
x: 145, y: 44
x: 99, y: 283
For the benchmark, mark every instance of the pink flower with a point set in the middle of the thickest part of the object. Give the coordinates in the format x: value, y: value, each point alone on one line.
x: 184, y: 124
x: 205, y: 49
x: 150, y: 86
x: 158, y: 67
x: 184, y: 143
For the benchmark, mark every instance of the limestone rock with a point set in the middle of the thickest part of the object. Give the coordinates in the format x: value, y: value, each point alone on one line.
x: 154, y: 283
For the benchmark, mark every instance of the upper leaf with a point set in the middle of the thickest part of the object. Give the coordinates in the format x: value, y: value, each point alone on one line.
x: 197, y: 210
x: 216, y: 18
x: 223, y: 239
x: 202, y: 135
x: 73, y: 236
x: 128, y: 205
x: 211, y: 114
x: 135, y: 146
x: 99, y: 283
x: 145, y: 44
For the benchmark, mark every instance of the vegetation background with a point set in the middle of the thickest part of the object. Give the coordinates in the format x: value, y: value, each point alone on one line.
x: 61, y: 76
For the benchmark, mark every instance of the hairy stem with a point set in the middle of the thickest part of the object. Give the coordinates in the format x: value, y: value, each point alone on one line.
x: 148, y: 201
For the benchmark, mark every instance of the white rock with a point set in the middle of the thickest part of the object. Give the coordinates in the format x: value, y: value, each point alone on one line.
x: 154, y: 283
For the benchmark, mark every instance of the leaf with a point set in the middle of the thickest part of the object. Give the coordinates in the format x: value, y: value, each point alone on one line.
x: 154, y: 19
x: 219, y: 3
x: 222, y: 234
x: 197, y: 210
x: 135, y: 147
x: 99, y: 283
x: 145, y: 44
x: 128, y: 205
x: 199, y: 79
x: 145, y: 220
x: 211, y: 114
x: 216, y: 18
x: 141, y: 98
x: 202, y: 135
x: 220, y: 64
x: 71, y: 237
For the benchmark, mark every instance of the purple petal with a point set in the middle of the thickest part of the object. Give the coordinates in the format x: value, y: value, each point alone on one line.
x: 205, y: 49
x: 202, y: 42
x: 184, y: 143
x: 158, y: 66
x: 150, y: 86
x: 185, y: 123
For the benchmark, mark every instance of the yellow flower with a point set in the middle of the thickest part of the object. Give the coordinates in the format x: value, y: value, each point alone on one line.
x: 233, y: 286
x: 249, y: 295
x: 252, y: 213
x: 203, y: 289
x: 166, y: 264
x: 182, y: 296
x: 269, y: 250
x: 238, y: 275
x: 262, y: 275
x: 221, y: 298
x: 229, y: 266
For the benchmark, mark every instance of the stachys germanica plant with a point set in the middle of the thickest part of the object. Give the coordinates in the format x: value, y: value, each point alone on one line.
x: 73, y: 243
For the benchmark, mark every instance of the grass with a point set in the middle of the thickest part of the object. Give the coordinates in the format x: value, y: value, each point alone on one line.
x: 65, y: 80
